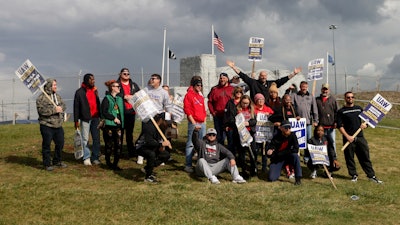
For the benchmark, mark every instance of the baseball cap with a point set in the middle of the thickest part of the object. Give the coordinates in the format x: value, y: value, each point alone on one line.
x: 211, y: 131
x: 325, y: 86
x: 286, y: 124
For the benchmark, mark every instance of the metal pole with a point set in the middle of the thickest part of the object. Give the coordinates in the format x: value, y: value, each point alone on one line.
x: 13, y: 103
x: 333, y: 28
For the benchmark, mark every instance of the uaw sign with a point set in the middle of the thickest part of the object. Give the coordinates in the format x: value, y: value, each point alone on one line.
x: 264, y: 129
x: 30, y: 76
x: 256, y: 45
x: 319, y: 154
x: 143, y: 105
x: 177, y: 109
x: 244, y: 134
x: 377, y: 108
x: 299, y: 127
x: 315, y: 69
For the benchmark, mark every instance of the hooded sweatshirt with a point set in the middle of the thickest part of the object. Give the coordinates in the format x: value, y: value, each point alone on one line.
x: 46, y: 109
x: 160, y: 98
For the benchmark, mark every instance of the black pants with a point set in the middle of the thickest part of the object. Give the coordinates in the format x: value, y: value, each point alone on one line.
x: 50, y: 134
x: 113, y: 145
x: 129, y: 125
x: 154, y: 158
x: 361, y: 149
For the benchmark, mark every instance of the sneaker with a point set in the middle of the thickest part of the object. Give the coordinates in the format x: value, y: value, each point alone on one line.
x: 376, y: 180
x: 313, y: 174
x: 291, y: 176
x: 188, y: 169
x: 162, y: 164
x: 354, y: 178
x: 87, y: 162
x: 61, y: 165
x: 214, y: 180
x: 151, y: 179
x: 297, y: 182
x: 49, y: 168
x: 140, y: 160
x: 96, y: 162
x: 239, y: 180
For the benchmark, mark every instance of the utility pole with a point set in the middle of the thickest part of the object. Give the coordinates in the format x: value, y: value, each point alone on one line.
x: 333, y: 27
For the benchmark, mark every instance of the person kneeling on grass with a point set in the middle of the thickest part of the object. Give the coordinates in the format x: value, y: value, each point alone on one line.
x: 284, y: 148
x: 209, y: 152
x: 153, y: 148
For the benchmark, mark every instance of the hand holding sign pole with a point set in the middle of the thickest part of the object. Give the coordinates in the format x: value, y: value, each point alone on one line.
x: 146, y: 110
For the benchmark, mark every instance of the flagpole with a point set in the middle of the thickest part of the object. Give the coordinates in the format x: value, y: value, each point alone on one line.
x: 168, y: 66
x: 345, y: 78
x: 212, y: 39
x: 327, y: 67
x: 142, y: 79
x: 163, y: 57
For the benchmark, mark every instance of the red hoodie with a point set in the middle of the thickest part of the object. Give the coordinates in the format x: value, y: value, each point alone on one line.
x: 91, y: 97
x: 193, y: 104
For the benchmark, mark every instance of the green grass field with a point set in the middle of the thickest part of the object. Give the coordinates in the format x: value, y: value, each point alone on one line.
x: 96, y: 195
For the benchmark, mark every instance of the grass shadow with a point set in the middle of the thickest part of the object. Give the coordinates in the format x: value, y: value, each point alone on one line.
x: 25, y: 161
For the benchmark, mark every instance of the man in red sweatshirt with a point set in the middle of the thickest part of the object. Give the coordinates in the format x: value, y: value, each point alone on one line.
x: 87, y: 111
x: 217, y: 99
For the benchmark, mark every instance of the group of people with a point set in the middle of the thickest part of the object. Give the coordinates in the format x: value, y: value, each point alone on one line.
x: 116, y: 118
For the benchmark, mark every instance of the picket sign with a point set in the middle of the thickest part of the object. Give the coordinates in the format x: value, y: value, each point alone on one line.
x: 319, y: 155
x: 32, y: 79
x: 146, y: 109
x: 78, y: 145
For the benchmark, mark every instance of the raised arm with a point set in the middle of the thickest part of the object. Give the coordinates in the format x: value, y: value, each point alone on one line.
x: 295, y: 72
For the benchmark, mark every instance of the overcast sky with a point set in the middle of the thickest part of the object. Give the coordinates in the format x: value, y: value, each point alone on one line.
x: 65, y: 36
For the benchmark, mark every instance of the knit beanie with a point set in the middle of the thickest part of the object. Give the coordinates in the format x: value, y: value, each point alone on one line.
x: 258, y: 96
x: 273, y: 88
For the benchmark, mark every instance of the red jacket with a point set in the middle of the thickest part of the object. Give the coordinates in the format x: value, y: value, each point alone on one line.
x: 193, y: 104
x: 217, y: 99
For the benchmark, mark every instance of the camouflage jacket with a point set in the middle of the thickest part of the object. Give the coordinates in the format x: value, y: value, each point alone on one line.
x: 46, y: 110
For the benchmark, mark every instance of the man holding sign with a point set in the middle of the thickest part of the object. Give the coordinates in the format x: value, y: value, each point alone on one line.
x: 348, y: 122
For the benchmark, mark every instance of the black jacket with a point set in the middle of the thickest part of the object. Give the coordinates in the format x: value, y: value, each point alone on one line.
x: 81, y: 105
x: 283, y: 146
x: 256, y: 86
x: 134, y: 88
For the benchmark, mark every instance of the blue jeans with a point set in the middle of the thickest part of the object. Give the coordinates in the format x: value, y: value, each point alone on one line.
x: 86, y: 128
x: 276, y: 167
x: 189, y: 143
x: 330, y: 134
x: 51, y: 134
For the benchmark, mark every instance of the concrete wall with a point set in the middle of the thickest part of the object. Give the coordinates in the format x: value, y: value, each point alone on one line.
x: 204, y: 66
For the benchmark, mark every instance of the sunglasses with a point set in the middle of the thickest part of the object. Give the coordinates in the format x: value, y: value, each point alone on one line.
x: 212, y: 135
x: 116, y: 86
x: 125, y: 74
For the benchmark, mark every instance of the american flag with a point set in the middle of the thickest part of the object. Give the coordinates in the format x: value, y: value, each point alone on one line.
x: 218, y: 42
